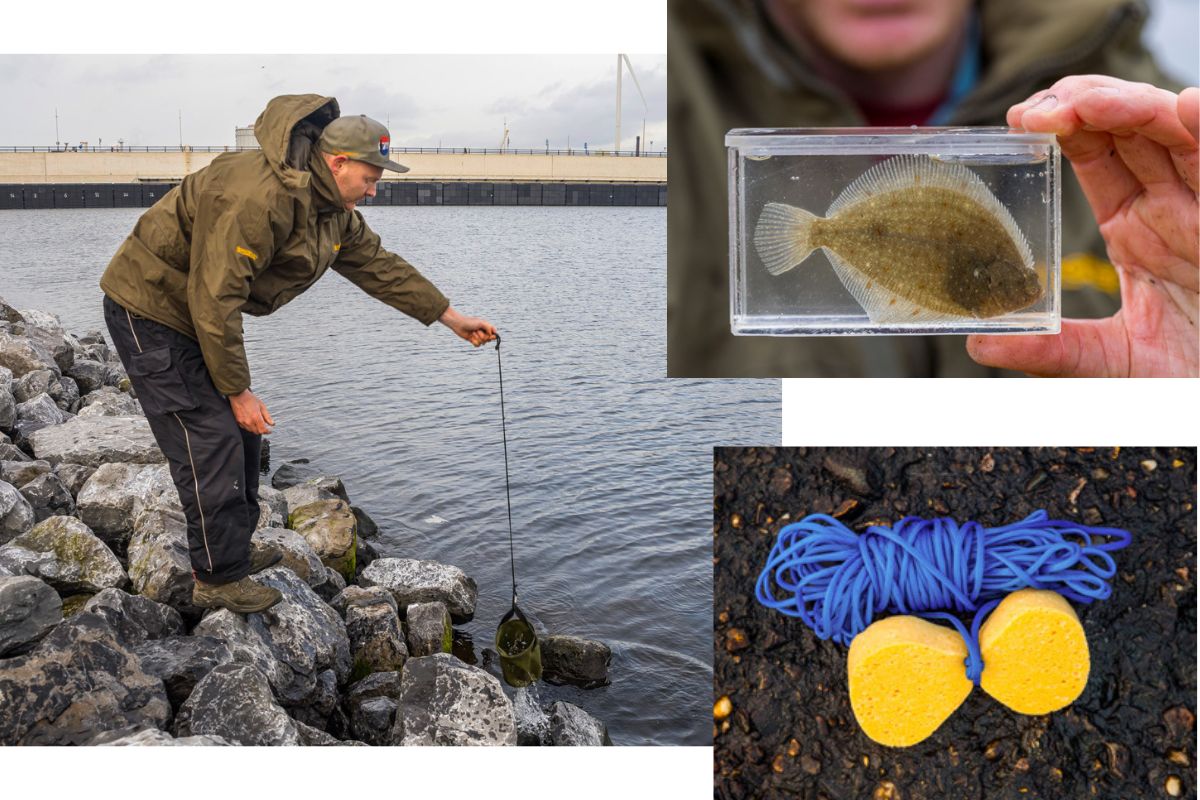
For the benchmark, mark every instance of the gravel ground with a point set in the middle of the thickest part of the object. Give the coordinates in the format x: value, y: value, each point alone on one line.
x: 787, y: 730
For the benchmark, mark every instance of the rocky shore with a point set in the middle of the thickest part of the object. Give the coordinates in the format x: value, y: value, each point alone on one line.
x: 99, y: 642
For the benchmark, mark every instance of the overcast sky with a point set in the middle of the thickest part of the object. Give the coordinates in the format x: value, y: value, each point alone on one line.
x: 457, y: 100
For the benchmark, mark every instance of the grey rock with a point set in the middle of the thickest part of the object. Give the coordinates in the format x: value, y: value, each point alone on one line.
x: 31, y: 384
x: 304, y: 494
x: 314, y: 737
x: 29, y: 609
x: 331, y: 586
x: 182, y: 661
x: 371, y: 720
x: 116, y: 493
x: 8, y: 408
x: 78, y: 682
x: 321, y: 703
x: 22, y: 355
x: 9, y: 314
x: 68, y: 396
x: 69, y: 556
x: 443, y: 701
x: 73, y: 476
x: 88, y: 374
x: 367, y: 529
x: 362, y: 596
x: 116, y: 377
x: 46, y: 332
x: 272, y: 508
x: 108, y: 402
x: 246, y: 646
x: 160, y: 566
x: 97, y: 440
x: 19, y: 473
x: 364, y: 554
x: 37, y: 414
x: 533, y: 724
x: 298, y: 473
x: 10, y: 452
x: 153, y: 737
x: 429, y: 629
x: 298, y: 555
x: 234, y: 701
x: 376, y: 642
x: 304, y: 634
x: 135, y: 619
x: 48, y: 497
x: 16, y: 515
x: 412, y: 581
x: 571, y: 726
x: 579, y: 662
x: 329, y: 527
x: 377, y: 684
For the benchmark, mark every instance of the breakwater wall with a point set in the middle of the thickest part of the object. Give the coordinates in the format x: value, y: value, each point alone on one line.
x: 389, y: 193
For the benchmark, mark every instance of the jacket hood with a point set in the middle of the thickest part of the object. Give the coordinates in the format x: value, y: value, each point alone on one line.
x: 288, y: 129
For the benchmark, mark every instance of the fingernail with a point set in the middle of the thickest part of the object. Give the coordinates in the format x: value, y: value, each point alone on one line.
x: 1107, y: 90
x: 1046, y: 103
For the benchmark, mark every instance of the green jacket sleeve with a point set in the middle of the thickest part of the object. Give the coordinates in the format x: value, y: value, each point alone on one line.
x: 386, y: 276
x: 232, y: 242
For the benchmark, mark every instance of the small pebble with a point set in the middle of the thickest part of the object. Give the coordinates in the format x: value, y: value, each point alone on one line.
x: 1177, y: 757
x: 845, y: 508
x: 886, y: 790
x: 992, y: 751
x: 793, y: 748
x: 1022, y: 765
x: 1099, y: 474
x: 1174, y: 786
x: 1176, y: 463
x: 736, y: 640
x: 987, y: 463
x: 736, y: 520
x: 810, y: 765
x: 1149, y: 465
x: 777, y: 764
x: 723, y: 708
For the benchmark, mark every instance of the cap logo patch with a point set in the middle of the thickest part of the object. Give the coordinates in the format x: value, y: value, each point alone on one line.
x: 385, y: 144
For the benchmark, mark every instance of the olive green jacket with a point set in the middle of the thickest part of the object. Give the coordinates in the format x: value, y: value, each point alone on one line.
x: 729, y: 67
x: 250, y: 232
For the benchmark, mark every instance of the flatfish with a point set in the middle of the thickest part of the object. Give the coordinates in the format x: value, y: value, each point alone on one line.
x: 913, y: 240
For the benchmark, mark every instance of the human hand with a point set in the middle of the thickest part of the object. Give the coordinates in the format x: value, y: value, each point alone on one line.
x: 1134, y: 150
x: 250, y: 412
x: 475, y: 330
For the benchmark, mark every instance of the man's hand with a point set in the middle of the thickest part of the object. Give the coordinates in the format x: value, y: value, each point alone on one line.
x: 475, y: 330
x: 250, y: 412
x: 1133, y: 148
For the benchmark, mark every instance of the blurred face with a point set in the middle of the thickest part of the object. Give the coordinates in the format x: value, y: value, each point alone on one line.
x: 873, y: 35
x: 355, y: 179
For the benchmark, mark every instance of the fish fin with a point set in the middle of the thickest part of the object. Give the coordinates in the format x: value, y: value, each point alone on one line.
x: 883, y: 306
x: 907, y: 171
x: 782, y: 236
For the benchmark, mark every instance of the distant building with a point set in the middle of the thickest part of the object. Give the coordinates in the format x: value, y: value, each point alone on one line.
x: 244, y: 138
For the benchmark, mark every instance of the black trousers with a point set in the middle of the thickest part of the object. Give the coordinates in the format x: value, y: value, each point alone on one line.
x: 214, y: 463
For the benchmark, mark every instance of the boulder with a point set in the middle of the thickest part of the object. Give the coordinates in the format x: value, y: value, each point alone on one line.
x: 533, y: 725
x: 107, y: 501
x: 246, y: 646
x: 304, y: 494
x: 234, y: 701
x: 579, y: 662
x: 88, y: 374
x: 21, y: 355
x: 38, y: 413
x: 8, y: 408
x: 19, y: 473
x: 97, y: 440
x: 412, y: 581
x: 10, y: 452
x: 65, y: 553
x: 160, y: 566
x: 10, y: 314
x: 68, y: 396
x: 443, y: 701
x: 29, y: 609
x: 32, y: 384
x: 44, y: 331
x: 272, y: 508
x: 372, y: 704
x: 362, y: 596
x: 571, y: 726
x: 48, y: 497
x: 376, y: 642
x: 299, y: 473
x: 79, y: 681
x: 16, y: 515
x: 73, y: 476
x: 331, y: 586
x: 328, y: 525
x: 135, y: 619
x: 429, y: 629
x: 367, y: 529
x: 298, y: 555
x: 182, y: 661
x: 154, y: 737
x: 314, y: 737
x: 108, y: 402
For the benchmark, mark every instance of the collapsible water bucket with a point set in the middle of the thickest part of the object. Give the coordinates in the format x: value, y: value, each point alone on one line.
x: 519, y: 649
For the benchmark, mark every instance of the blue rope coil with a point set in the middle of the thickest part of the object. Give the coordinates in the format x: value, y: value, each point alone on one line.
x: 837, y: 581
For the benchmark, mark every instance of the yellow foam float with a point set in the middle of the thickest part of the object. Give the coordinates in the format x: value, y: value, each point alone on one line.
x: 907, y: 675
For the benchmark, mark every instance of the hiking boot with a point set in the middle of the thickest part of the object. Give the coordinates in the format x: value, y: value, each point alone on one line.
x: 261, y: 558
x: 244, y: 596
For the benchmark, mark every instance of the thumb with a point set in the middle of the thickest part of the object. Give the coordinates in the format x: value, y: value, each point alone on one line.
x: 1188, y: 108
x: 1084, y: 349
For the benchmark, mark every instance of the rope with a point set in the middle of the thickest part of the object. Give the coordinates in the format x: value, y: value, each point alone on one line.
x: 837, y: 581
x: 512, y: 559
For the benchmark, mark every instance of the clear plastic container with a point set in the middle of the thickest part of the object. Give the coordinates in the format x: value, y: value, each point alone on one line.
x: 893, y: 230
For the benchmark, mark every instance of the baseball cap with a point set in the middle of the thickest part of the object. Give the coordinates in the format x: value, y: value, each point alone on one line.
x: 361, y: 139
